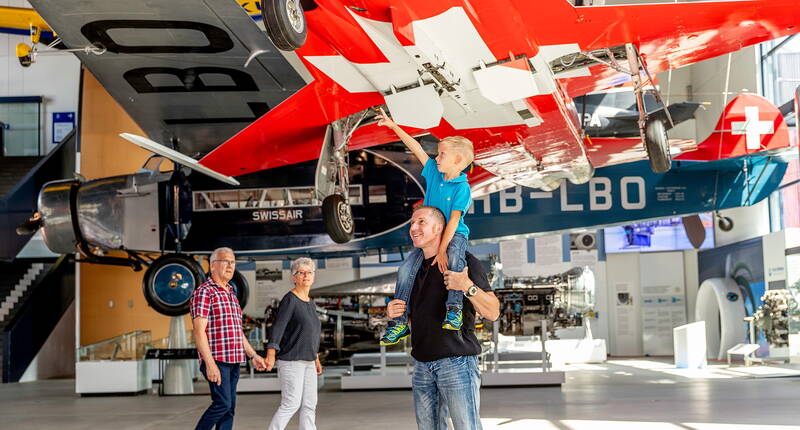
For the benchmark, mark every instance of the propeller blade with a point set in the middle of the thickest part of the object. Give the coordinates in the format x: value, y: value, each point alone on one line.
x: 694, y: 230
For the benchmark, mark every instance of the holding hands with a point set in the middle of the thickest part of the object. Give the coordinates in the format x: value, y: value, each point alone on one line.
x: 269, y: 360
x: 258, y: 362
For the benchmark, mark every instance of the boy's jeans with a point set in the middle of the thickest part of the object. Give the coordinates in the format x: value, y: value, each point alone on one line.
x: 410, y: 266
x: 447, y: 387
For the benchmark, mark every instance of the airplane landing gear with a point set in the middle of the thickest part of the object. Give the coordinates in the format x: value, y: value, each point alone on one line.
x: 169, y: 282
x: 338, y: 218
x: 333, y: 178
x: 285, y: 23
x: 656, y: 144
x: 242, y: 288
x: 171, y: 279
x: 652, y: 131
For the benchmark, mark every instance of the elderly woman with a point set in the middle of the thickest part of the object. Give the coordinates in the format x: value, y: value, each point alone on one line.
x: 294, y: 341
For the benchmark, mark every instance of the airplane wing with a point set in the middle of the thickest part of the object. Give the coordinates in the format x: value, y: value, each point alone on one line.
x: 357, y: 54
x: 177, y: 67
x: 669, y: 35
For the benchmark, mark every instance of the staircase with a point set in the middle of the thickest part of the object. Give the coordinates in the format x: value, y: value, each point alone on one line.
x: 13, y: 169
x: 13, y: 287
x: 36, y: 293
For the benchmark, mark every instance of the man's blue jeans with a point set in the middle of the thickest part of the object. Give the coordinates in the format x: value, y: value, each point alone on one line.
x: 407, y: 273
x: 223, y: 398
x: 450, y: 386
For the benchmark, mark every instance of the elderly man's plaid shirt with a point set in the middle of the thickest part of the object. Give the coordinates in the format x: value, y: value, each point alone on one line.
x: 224, y: 330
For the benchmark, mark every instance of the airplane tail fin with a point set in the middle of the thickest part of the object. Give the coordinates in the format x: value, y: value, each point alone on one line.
x: 749, y: 124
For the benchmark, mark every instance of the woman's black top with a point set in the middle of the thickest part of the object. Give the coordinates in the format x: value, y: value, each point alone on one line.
x: 296, y: 332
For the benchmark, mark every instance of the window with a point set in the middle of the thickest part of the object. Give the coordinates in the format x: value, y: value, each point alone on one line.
x: 780, y: 70
x: 20, y: 133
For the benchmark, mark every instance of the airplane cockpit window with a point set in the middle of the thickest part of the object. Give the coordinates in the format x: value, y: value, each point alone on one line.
x: 302, y: 196
x: 226, y: 199
x: 249, y: 198
x: 273, y: 198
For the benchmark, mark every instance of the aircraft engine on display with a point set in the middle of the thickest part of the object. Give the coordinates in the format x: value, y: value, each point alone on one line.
x: 774, y: 315
x: 563, y: 300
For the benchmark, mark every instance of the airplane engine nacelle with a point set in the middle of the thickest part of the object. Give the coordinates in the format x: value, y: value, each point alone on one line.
x: 56, y: 206
x: 119, y: 212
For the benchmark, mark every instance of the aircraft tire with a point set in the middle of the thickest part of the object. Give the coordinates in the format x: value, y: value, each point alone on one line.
x: 656, y: 144
x: 169, y: 282
x: 285, y: 23
x: 338, y: 218
x: 242, y: 288
x: 724, y: 223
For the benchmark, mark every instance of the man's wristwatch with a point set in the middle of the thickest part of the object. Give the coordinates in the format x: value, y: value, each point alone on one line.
x: 471, y: 291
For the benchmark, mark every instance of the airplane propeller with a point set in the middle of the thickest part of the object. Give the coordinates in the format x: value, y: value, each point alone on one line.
x: 695, y: 230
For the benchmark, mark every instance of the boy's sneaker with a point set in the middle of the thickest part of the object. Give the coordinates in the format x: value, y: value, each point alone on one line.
x: 453, y: 319
x: 395, y: 333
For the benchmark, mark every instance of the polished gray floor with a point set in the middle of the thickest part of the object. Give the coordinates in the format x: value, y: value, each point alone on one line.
x: 620, y: 395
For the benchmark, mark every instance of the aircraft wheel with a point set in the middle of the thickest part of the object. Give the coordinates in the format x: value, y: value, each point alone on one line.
x: 285, y: 23
x: 724, y: 223
x: 169, y: 282
x: 657, y: 145
x: 338, y: 218
x: 241, y: 287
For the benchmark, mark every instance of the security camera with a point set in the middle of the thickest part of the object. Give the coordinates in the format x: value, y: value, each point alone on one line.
x: 24, y: 54
x: 25, y: 61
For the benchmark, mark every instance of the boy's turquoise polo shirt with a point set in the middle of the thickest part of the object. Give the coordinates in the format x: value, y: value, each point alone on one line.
x: 452, y: 195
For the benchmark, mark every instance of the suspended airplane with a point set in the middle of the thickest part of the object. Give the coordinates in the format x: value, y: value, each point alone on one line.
x: 502, y: 76
x: 160, y: 219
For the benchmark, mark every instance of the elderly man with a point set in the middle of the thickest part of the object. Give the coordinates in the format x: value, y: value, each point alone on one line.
x: 221, y: 343
x: 446, y: 378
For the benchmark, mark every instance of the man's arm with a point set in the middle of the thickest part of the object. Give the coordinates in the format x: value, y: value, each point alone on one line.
x: 484, y: 302
x: 201, y: 341
x: 447, y: 236
x: 250, y: 352
x: 410, y: 142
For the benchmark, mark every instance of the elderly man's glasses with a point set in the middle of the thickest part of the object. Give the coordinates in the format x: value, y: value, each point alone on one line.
x: 225, y: 262
x: 304, y: 273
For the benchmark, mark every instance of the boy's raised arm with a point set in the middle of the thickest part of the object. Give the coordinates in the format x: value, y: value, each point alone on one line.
x: 410, y: 142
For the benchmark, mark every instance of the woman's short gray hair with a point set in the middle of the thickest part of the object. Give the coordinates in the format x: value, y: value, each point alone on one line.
x: 219, y: 251
x: 303, y: 261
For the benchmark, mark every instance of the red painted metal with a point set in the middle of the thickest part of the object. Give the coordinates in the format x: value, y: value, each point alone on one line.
x: 668, y: 36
